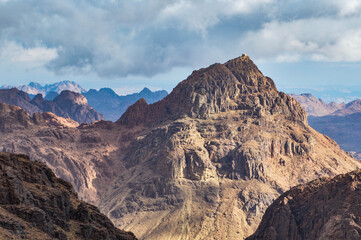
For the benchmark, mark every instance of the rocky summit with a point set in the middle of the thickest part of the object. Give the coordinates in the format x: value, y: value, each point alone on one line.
x: 34, y: 204
x: 203, y: 163
x: 214, y: 154
x: 327, y: 208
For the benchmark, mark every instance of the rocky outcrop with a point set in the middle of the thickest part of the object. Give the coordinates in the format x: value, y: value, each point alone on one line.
x: 77, y: 107
x: 34, y: 204
x: 237, y: 85
x: 48, y: 106
x: 203, y: 163
x: 322, y: 209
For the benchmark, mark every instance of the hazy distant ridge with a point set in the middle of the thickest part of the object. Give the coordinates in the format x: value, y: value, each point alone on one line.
x: 34, y: 88
x: 104, y: 101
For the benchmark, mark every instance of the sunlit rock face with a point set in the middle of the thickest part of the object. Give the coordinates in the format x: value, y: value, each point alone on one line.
x: 203, y: 163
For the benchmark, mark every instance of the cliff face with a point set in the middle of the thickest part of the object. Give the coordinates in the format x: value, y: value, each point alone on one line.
x: 34, y: 204
x: 203, y: 163
x: 323, y: 209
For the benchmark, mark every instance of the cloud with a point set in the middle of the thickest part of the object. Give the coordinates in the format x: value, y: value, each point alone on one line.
x: 33, y: 57
x: 316, y: 39
x: 115, y: 38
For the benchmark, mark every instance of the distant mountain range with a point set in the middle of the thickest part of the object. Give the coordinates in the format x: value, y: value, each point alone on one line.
x: 112, y: 106
x: 341, y: 122
x: 105, y: 101
x: 67, y: 104
x: 34, y: 88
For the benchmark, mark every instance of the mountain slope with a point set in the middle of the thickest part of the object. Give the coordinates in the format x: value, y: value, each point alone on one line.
x: 34, y: 204
x: 18, y: 98
x: 112, y: 106
x: 203, y: 163
x: 326, y: 209
x: 220, y: 148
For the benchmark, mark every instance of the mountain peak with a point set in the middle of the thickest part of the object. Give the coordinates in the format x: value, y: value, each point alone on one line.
x: 145, y: 91
x: 73, y: 97
x: 236, y: 85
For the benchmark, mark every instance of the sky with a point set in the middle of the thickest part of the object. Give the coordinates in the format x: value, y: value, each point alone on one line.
x: 128, y: 45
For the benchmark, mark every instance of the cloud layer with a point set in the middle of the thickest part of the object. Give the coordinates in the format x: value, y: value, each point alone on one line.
x: 118, y: 38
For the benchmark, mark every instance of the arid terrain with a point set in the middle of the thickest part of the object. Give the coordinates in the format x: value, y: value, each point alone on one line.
x: 34, y: 204
x: 203, y: 163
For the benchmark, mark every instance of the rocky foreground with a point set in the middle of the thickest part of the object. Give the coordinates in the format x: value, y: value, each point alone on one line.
x: 34, y: 204
x: 203, y: 163
x: 327, y: 209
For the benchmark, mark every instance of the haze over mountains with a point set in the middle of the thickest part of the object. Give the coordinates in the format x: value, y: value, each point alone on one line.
x: 105, y: 101
x: 67, y: 104
x: 112, y: 106
x: 204, y: 162
x: 341, y: 122
x: 34, y: 88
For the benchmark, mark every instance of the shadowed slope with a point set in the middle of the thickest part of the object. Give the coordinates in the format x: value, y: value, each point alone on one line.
x: 326, y: 209
x: 34, y: 204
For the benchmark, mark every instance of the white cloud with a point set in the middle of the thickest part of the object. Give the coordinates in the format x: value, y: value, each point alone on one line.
x: 122, y: 38
x: 202, y: 14
x: 35, y: 57
x: 347, y: 7
x: 317, y: 39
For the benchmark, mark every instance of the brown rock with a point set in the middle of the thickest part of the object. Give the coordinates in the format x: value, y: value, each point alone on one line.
x: 34, y: 204
x: 203, y: 163
x: 322, y: 209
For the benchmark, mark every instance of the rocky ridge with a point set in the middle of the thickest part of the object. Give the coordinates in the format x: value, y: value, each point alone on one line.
x: 327, y: 208
x: 203, y: 163
x: 34, y: 204
x: 67, y: 105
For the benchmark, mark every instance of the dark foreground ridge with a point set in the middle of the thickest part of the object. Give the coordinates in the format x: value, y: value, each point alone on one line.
x: 34, y: 204
x: 327, y: 209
